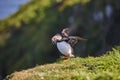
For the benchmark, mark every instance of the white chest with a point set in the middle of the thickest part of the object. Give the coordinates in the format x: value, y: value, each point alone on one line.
x: 64, y: 48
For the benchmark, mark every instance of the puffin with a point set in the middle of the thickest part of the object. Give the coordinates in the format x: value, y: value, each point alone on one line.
x: 65, y: 42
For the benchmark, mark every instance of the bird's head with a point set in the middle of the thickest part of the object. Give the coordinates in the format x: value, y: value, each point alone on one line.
x: 56, y: 38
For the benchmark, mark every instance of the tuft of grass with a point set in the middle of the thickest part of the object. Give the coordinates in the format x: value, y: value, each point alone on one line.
x: 106, y: 67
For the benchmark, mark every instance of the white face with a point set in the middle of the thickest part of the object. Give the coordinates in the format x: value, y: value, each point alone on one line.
x: 56, y: 38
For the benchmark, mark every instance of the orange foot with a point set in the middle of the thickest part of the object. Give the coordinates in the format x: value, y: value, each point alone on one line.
x: 64, y: 59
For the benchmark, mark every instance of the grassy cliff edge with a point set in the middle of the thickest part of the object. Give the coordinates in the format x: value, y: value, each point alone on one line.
x: 106, y: 67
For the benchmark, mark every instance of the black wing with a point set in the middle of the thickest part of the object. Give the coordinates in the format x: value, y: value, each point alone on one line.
x: 74, y: 39
x: 65, y: 32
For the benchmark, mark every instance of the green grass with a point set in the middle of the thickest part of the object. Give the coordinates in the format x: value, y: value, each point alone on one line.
x: 106, y: 67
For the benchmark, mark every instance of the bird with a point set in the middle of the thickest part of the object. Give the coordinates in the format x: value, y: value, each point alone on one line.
x: 65, y: 42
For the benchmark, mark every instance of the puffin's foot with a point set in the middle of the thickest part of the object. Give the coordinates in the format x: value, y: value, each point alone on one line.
x: 64, y: 58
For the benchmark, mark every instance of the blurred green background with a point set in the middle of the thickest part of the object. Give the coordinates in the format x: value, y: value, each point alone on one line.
x: 25, y: 37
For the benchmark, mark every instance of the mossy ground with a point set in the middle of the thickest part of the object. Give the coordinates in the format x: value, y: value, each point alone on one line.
x: 106, y: 67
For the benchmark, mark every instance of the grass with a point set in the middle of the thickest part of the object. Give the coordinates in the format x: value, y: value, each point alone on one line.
x: 106, y: 67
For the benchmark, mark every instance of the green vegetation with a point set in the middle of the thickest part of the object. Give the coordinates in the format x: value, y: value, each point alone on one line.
x: 25, y: 37
x: 106, y: 67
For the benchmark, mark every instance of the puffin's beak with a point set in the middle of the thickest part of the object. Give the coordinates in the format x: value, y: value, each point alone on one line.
x: 53, y: 41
